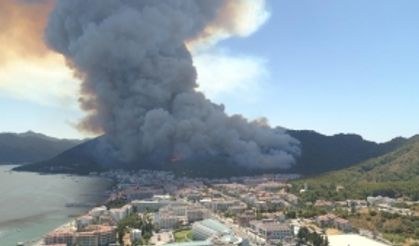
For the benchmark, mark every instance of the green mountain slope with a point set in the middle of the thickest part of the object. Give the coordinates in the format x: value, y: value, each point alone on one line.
x: 394, y: 174
x: 321, y: 153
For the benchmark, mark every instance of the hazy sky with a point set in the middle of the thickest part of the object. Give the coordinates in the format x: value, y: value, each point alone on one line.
x: 332, y: 66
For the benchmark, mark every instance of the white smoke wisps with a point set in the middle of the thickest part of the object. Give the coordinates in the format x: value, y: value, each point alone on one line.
x: 139, y: 81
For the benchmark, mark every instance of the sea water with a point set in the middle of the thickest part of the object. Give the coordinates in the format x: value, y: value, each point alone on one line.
x: 32, y: 204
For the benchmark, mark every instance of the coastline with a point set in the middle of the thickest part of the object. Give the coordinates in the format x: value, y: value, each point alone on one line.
x: 35, y: 194
x: 40, y: 242
x: 70, y: 224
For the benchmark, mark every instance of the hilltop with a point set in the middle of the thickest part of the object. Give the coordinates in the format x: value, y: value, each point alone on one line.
x: 18, y: 148
x: 321, y: 153
x: 394, y: 174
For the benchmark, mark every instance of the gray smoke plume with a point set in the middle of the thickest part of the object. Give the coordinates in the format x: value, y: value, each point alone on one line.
x: 139, y: 82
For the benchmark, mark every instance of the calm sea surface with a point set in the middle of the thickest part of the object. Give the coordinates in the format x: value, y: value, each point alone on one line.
x: 32, y: 204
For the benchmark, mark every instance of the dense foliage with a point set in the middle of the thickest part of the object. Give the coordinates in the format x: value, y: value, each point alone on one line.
x: 117, y: 203
x: 322, y: 153
x: 395, y: 228
x: 135, y: 221
x: 305, y: 237
x: 393, y: 175
x: 305, y: 212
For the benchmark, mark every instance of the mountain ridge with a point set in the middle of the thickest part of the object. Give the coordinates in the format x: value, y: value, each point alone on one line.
x: 18, y: 148
x: 394, y: 174
x: 321, y: 153
x: 316, y: 157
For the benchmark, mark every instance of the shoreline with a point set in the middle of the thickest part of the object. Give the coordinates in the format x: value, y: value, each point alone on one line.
x: 72, y: 222
x: 40, y: 242
x: 95, y: 188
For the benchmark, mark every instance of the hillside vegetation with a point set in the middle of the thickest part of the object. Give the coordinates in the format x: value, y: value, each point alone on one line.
x: 394, y: 174
x: 321, y: 153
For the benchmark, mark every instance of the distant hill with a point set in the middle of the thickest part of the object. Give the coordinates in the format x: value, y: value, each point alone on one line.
x: 394, y: 174
x: 320, y: 154
x: 92, y: 156
x: 29, y: 147
x: 80, y: 159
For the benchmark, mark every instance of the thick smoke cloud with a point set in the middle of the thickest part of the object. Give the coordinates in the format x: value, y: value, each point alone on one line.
x: 139, y: 81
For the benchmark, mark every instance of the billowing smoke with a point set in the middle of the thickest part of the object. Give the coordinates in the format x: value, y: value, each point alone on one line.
x: 139, y: 80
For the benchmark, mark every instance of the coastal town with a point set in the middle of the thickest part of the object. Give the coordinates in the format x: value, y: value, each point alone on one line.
x: 158, y: 208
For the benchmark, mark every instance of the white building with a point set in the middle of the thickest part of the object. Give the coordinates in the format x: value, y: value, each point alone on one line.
x: 380, y: 200
x: 206, y: 202
x: 178, y: 209
x: 202, y: 230
x: 194, y: 214
x: 135, y: 235
x: 167, y: 220
x: 270, y: 230
x: 83, y: 221
x: 154, y: 205
x: 222, y: 205
x: 120, y: 213
x: 142, y: 206
x: 95, y: 238
x: 98, y: 211
x: 216, y: 231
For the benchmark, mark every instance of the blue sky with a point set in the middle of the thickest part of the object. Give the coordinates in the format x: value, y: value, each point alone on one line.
x: 338, y: 66
x: 332, y: 66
